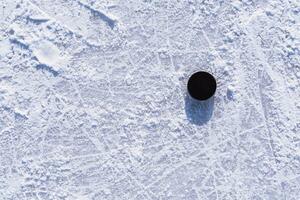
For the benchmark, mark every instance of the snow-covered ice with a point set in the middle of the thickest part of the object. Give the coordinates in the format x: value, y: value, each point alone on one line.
x: 93, y: 101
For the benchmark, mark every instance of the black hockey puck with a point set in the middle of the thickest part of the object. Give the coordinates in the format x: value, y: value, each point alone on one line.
x: 202, y: 85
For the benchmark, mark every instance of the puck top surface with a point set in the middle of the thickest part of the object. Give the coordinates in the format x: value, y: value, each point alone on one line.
x: 202, y: 85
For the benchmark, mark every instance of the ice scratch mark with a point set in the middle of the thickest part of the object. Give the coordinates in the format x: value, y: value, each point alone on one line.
x: 193, y: 157
x: 20, y: 44
x: 47, y: 68
x: 37, y: 21
x: 20, y: 117
x: 17, y: 115
x: 109, y: 21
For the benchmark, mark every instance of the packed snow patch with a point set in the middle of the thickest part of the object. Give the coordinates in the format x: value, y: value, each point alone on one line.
x: 46, y: 53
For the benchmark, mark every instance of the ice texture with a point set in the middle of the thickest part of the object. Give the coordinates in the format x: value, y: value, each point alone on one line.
x: 93, y: 100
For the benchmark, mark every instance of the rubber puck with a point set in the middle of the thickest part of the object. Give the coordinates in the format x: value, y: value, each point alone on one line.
x: 202, y: 85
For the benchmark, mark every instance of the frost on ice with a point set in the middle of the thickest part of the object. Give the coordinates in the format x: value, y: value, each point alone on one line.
x: 93, y: 100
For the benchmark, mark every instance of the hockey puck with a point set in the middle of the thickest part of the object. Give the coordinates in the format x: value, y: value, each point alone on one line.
x: 201, y: 85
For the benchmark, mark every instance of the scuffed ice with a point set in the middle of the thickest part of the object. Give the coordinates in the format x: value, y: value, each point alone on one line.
x: 93, y: 102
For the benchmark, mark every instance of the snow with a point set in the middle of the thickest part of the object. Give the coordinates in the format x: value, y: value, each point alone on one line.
x: 93, y: 100
x: 46, y: 53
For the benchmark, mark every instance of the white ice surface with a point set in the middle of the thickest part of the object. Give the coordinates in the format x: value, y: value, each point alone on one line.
x: 93, y: 102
